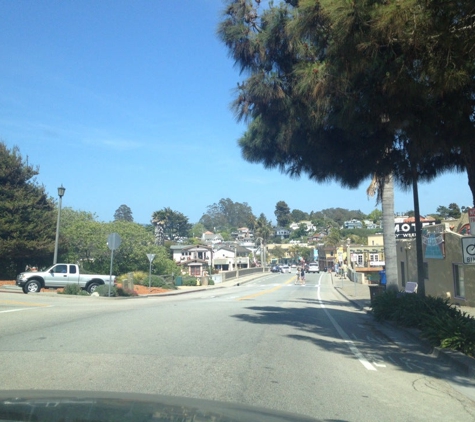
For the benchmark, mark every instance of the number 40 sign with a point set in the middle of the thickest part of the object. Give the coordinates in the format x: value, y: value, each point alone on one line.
x: 468, y: 249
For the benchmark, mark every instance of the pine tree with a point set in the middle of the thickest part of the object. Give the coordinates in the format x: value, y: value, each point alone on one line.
x: 27, y: 216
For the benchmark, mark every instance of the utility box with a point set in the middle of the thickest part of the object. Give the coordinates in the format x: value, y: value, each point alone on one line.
x: 128, y: 283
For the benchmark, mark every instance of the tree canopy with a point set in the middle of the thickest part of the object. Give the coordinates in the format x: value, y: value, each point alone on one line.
x: 227, y: 214
x: 282, y: 214
x: 175, y: 223
x: 123, y: 213
x: 27, y: 216
x: 388, y: 83
x: 84, y: 240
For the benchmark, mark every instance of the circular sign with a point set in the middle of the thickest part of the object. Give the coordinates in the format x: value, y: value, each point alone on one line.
x: 113, y: 241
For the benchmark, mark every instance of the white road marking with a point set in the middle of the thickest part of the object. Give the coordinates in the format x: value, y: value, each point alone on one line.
x: 343, y: 334
x: 25, y: 309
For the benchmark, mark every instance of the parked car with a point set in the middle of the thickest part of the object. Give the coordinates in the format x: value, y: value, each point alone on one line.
x: 60, y: 275
x: 285, y: 269
x: 313, y: 268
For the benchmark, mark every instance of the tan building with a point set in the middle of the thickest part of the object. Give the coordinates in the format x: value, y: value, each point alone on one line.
x: 445, y: 274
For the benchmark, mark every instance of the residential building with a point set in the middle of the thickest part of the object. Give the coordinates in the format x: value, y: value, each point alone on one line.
x: 227, y: 258
x: 308, y: 224
x: 282, y: 233
x: 194, y: 259
x: 353, y: 224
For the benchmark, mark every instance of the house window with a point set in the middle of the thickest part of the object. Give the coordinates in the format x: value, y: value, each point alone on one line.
x: 359, y: 259
x: 374, y: 257
x: 195, y: 270
x: 459, y: 281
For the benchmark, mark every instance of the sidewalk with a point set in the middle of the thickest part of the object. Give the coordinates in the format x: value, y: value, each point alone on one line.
x: 359, y: 295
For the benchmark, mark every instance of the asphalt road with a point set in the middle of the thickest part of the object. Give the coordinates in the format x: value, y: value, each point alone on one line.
x: 271, y: 343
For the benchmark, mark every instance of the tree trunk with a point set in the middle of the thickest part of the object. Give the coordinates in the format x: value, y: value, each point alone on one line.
x: 389, y: 237
x: 420, y: 258
x: 470, y: 166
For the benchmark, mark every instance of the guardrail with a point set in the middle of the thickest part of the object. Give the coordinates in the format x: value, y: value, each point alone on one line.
x: 229, y: 275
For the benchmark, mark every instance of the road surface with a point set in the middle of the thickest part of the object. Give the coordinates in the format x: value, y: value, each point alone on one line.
x: 271, y: 343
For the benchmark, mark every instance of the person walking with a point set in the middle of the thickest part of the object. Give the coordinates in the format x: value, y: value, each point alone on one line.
x: 382, y: 278
x: 297, y: 280
x: 302, y: 275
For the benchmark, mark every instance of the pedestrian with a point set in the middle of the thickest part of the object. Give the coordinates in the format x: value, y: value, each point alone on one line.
x: 382, y: 278
x: 302, y: 275
x: 297, y: 280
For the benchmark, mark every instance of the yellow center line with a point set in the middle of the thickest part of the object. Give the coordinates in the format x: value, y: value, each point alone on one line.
x: 14, y: 302
x: 254, y: 295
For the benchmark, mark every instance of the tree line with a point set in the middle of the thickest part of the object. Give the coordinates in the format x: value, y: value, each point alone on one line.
x: 28, y: 224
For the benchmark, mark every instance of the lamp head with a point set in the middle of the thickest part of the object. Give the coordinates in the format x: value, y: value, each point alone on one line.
x: 61, y: 191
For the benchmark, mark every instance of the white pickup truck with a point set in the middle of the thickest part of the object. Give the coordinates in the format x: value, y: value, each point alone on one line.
x: 60, y: 275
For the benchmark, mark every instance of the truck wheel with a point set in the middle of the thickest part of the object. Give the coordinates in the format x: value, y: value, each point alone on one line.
x: 92, y: 287
x: 32, y: 286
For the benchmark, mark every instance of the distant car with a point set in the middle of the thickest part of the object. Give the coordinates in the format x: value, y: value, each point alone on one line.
x: 275, y: 269
x: 293, y: 265
x: 285, y: 269
x: 313, y: 268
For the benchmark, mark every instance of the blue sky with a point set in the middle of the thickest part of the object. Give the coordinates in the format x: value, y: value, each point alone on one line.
x: 127, y: 102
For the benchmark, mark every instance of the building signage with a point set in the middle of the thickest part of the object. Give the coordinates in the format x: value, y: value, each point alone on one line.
x: 471, y: 220
x: 433, y: 244
x: 408, y: 230
x: 468, y: 249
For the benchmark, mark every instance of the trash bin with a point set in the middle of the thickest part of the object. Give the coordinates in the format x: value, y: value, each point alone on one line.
x: 374, y: 290
x: 178, y: 281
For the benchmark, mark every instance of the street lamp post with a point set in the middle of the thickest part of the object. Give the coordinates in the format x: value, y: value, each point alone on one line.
x: 61, y: 191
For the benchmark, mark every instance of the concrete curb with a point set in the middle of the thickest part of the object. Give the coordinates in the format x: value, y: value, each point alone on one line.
x: 231, y: 283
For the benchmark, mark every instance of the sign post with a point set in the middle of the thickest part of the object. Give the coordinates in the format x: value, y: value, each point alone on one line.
x: 113, y: 242
x: 150, y: 257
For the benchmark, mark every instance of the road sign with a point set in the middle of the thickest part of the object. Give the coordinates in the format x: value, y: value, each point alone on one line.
x: 113, y: 241
x: 150, y: 256
x: 468, y: 249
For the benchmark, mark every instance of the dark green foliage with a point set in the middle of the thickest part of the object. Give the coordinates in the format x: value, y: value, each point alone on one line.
x: 282, y: 214
x: 103, y: 290
x: 162, y: 282
x: 27, y: 216
x: 175, y: 223
x: 441, y: 323
x: 227, y: 214
x: 73, y: 289
x: 189, y: 280
x: 123, y: 213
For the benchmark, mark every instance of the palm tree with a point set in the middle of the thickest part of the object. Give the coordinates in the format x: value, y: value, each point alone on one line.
x: 384, y: 190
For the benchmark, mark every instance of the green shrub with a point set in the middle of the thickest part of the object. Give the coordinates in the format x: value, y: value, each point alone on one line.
x: 188, y: 280
x: 441, y: 323
x: 138, y: 277
x: 142, y: 278
x: 384, y: 305
x: 103, y: 290
x: 73, y: 289
x: 452, y: 330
